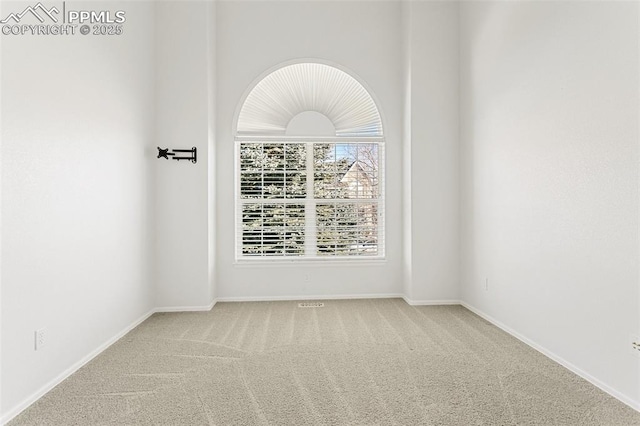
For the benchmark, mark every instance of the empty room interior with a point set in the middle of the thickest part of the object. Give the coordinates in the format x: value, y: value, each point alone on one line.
x: 320, y: 212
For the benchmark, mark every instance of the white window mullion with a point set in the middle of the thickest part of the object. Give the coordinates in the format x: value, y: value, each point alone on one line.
x: 310, y: 246
x: 238, y: 201
x: 380, y: 205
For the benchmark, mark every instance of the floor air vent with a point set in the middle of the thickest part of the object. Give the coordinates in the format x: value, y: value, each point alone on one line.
x: 311, y: 305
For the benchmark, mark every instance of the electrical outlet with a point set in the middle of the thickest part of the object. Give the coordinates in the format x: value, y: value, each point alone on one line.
x: 635, y: 344
x: 307, y: 278
x: 486, y: 284
x: 40, y: 338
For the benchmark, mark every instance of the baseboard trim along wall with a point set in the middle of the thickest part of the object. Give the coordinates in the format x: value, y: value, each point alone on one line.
x: 186, y: 308
x: 316, y: 297
x: 549, y: 354
x: 75, y: 367
x: 430, y: 302
x: 69, y: 371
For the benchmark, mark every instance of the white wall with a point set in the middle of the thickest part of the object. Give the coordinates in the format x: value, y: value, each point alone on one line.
x: 433, y: 152
x: 1, y: 243
x: 77, y: 184
x: 253, y: 37
x: 366, y: 38
x: 184, y: 68
x: 211, y: 144
x: 407, y: 213
x: 549, y: 131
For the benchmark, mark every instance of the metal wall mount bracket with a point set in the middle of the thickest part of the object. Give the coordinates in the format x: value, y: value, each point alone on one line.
x: 179, y: 154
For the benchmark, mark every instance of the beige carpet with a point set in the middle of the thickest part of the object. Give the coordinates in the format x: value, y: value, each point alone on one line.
x: 352, y: 362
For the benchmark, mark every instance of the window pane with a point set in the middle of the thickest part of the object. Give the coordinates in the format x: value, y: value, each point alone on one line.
x: 273, y: 229
x: 324, y: 157
x: 272, y: 170
x: 250, y: 185
x: 273, y: 185
x: 294, y: 230
x: 252, y: 229
x: 273, y: 155
x: 347, y: 229
x: 250, y: 157
x: 296, y: 156
x: 295, y: 185
x: 273, y: 193
x: 345, y: 171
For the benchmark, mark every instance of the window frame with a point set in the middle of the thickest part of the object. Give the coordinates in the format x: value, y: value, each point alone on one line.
x: 310, y: 200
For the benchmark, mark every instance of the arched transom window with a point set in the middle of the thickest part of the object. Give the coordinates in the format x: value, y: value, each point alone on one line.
x: 310, y: 168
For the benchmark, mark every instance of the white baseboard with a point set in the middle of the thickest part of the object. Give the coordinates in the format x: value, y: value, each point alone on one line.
x: 315, y: 297
x: 187, y: 308
x: 606, y: 388
x: 68, y: 372
x: 8, y: 416
x: 430, y: 302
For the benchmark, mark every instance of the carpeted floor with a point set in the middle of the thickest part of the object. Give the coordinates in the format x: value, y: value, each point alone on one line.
x: 352, y: 362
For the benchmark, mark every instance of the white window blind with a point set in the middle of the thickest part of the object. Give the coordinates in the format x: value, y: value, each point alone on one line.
x: 308, y: 199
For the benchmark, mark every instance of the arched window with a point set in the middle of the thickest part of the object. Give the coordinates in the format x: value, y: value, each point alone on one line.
x: 310, y: 167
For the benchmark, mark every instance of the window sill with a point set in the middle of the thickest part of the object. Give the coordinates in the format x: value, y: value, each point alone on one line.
x: 272, y: 263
